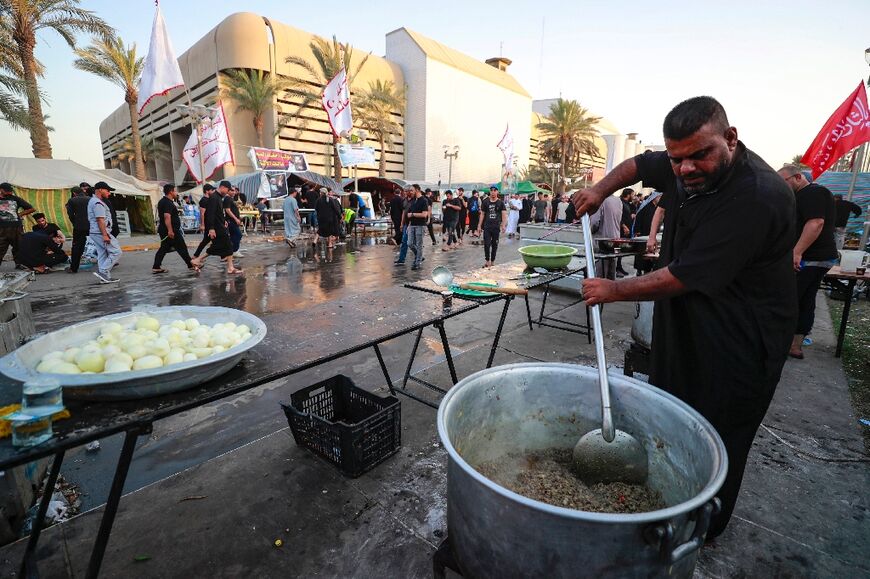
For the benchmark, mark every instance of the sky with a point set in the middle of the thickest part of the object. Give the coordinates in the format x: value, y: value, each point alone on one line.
x: 779, y: 68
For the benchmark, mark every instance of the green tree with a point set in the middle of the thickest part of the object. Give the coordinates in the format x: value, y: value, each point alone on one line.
x: 109, y: 59
x: 375, y: 112
x: 23, y: 19
x: 796, y: 160
x: 151, y: 149
x: 568, y: 133
x: 308, y: 88
x: 12, y: 109
x: 255, y: 92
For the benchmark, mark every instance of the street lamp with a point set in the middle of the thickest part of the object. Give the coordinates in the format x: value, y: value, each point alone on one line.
x: 553, y: 168
x: 450, y: 152
x: 198, y: 115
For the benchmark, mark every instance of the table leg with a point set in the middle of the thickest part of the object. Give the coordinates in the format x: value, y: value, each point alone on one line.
x: 28, y: 564
x: 845, y: 318
x: 411, y: 359
x: 384, y: 368
x: 544, y: 302
x: 446, y: 344
x: 504, y: 311
x: 113, y: 500
x: 529, y: 312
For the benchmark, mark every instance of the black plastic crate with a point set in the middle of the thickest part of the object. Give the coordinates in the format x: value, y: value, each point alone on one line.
x: 353, y: 429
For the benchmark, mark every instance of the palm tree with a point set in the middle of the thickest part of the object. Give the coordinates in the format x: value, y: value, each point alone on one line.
x: 796, y: 160
x: 329, y: 59
x: 151, y: 149
x: 109, y: 59
x: 255, y: 92
x: 568, y: 133
x: 12, y: 110
x: 23, y: 19
x: 375, y: 109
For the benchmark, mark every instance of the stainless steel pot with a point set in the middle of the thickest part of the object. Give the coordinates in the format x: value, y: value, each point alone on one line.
x: 495, y: 532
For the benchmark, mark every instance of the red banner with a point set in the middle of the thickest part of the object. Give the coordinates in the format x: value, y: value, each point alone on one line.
x: 847, y: 128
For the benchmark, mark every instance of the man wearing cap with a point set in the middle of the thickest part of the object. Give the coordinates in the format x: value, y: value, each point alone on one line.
x: 207, y: 191
x: 169, y: 230
x: 12, y: 209
x: 292, y: 228
x: 216, y: 228
x: 100, y: 219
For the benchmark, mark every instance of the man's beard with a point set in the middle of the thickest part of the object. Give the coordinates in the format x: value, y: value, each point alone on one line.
x: 711, y: 180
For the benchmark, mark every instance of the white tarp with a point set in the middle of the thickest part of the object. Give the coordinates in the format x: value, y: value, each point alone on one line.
x: 58, y: 174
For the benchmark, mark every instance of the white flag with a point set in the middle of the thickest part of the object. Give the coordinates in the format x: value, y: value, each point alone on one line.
x: 506, y: 144
x: 160, y: 73
x: 336, y: 103
x: 217, y: 150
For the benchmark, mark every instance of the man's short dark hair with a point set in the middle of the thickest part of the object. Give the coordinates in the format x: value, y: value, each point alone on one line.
x: 168, y: 188
x: 7, y: 187
x: 38, y: 216
x: 51, y: 229
x: 689, y: 116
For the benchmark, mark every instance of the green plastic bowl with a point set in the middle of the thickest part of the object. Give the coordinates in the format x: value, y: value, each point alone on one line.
x: 547, y: 256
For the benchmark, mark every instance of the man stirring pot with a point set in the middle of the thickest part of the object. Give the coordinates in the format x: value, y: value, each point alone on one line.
x: 725, y: 296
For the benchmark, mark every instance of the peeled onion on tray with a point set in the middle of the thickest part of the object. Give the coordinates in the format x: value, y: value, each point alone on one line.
x: 143, y: 345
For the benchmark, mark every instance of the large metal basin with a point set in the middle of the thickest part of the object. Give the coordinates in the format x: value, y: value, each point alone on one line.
x: 497, y: 533
x: 20, y: 364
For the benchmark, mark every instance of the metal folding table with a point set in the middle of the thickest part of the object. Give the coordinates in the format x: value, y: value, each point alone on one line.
x: 329, y: 334
x: 852, y: 279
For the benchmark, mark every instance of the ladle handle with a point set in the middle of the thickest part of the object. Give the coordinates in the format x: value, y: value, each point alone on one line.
x: 607, y: 430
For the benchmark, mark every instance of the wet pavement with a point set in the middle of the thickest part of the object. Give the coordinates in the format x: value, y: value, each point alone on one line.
x: 242, y: 483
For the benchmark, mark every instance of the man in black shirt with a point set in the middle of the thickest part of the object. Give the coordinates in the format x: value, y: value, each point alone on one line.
x: 42, y: 249
x: 207, y: 191
x: 844, y: 209
x: 418, y: 217
x: 493, y: 220
x: 450, y: 219
x: 77, y: 210
x: 169, y: 230
x: 815, y: 251
x: 397, y: 207
x: 216, y: 228
x: 233, y: 216
x: 725, y: 301
x: 12, y: 209
x: 463, y: 214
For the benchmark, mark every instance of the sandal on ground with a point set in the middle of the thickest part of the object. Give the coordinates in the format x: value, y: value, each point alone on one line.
x: 195, y: 269
x: 158, y: 270
x: 235, y: 271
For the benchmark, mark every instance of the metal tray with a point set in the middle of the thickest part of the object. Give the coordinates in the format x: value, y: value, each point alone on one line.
x: 20, y: 365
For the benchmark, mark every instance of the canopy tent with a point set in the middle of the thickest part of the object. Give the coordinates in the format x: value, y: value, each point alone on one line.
x: 313, y: 179
x: 523, y: 188
x: 258, y: 184
x: 46, y: 184
x: 154, y: 190
x: 838, y: 183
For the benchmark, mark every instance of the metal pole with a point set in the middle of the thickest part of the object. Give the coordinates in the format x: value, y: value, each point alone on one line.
x: 450, y: 171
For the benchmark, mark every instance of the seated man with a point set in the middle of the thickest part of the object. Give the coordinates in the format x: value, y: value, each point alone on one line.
x: 42, y: 249
x: 42, y: 225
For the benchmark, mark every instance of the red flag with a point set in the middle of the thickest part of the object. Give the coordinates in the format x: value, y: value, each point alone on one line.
x: 847, y: 128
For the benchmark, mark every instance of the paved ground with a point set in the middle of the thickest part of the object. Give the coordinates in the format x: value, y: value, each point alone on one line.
x: 241, y: 482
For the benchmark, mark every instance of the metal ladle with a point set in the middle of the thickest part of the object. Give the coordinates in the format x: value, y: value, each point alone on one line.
x: 606, y: 454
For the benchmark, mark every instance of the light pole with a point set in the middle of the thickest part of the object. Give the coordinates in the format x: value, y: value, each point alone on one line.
x: 553, y: 168
x: 197, y: 115
x: 450, y: 152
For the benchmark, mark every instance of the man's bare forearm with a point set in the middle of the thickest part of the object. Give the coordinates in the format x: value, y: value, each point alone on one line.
x: 657, y: 285
x: 809, y: 234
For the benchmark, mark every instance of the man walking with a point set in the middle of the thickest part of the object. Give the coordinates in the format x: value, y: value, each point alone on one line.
x: 397, y: 207
x: 169, y: 230
x: 450, y: 221
x: 100, y: 220
x: 407, y: 199
x: 540, y: 208
x: 463, y: 215
x: 233, y: 216
x: 473, y: 212
x: 493, y: 220
x: 12, y: 209
x: 77, y: 210
x: 292, y: 222
x: 844, y: 209
x: 207, y: 192
x: 216, y: 229
x: 815, y: 251
x: 418, y: 215
x: 725, y: 305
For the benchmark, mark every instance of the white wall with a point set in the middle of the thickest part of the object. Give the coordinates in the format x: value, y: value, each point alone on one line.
x: 446, y: 106
x: 402, y: 50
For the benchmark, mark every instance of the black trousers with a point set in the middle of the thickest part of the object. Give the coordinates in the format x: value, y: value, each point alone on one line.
x: 167, y: 245
x: 473, y: 217
x: 460, y: 225
x: 397, y: 230
x: 490, y: 243
x: 431, y: 233
x: 809, y: 278
x: 202, y: 244
x: 79, y: 239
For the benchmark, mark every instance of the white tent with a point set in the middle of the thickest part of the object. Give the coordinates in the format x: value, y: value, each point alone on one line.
x: 46, y: 183
x: 154, y: 190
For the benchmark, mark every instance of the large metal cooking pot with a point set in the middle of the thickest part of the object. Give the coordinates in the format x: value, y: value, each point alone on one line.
x: 495, y: 532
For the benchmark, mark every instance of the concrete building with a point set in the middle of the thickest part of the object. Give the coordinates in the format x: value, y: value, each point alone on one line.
x: 456, y: 100
x: 247, y: 41
x: 452, y: 99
